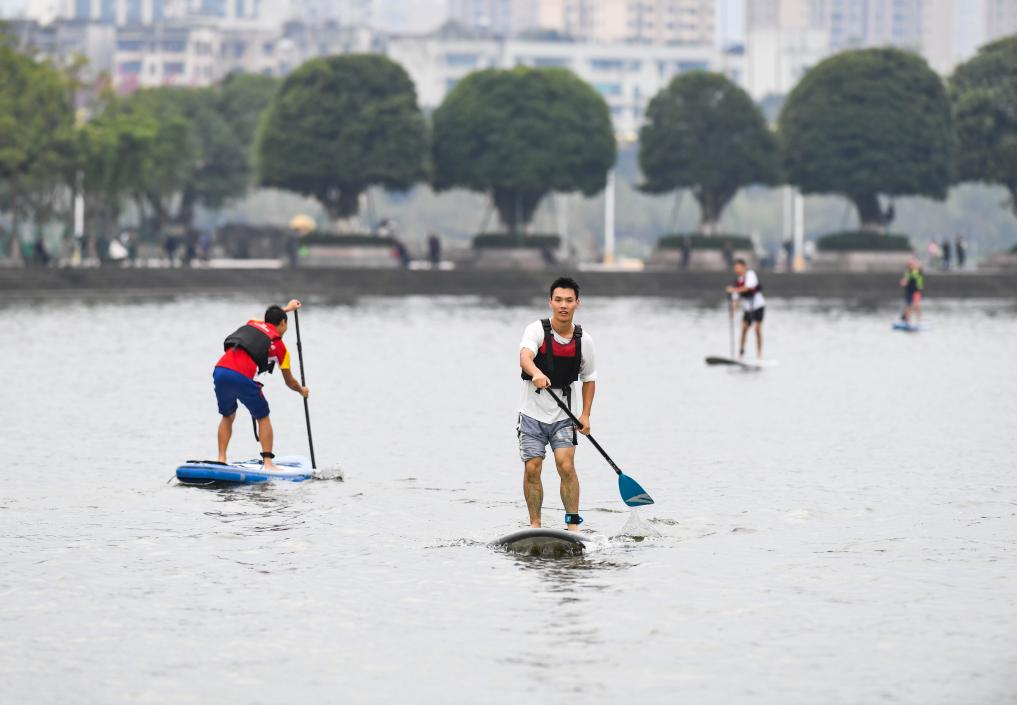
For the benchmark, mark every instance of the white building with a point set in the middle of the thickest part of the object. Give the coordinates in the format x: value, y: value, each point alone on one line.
x: 1000, y: 18
x: 626, y: 75
x: 645, y: 21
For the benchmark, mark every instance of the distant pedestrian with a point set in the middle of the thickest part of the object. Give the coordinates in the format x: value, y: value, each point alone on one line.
x: 789, y: 254
x: 728, y: 253
x: 170, y: 245
x: 962, y: 251
x: 946, y: 247
x: 934, y: 253
x: 190, y: 249
x: 293, y: 247
x: 686, y: 251
x: 205, y: 246
x: 434, y: 249
x: 402, y: 254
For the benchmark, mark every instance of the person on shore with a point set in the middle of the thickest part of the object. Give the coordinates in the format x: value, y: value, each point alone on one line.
x: 913, y: 282
x: 748, y: 289
x: 253, y: 348
x: 946, y: 250
x: 962, y: 251
x: 554, y: 354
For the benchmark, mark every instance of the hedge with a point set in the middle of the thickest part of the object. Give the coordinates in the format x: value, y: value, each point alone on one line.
x: 863, y: 241
x: 704, y: 242
x: 505, y: 241
x: 353, y: 240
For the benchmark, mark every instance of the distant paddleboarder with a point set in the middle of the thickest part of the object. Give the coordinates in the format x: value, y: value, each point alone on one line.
x: 913, y: 282
x: 748, y: 289
x: 252, y: 349
x: 554, y: 353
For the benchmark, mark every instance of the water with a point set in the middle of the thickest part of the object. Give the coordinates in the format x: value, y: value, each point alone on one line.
x: 838, y: 529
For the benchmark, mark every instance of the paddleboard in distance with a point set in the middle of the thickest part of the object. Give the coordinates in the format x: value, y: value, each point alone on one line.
x: 554, y: 543
x: 292, y: 468
x: 908, y: 327
x: 744, y: 364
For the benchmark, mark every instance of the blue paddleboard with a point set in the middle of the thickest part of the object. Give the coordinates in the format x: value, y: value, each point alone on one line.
x: 908, y: 327
x: 292, y: 468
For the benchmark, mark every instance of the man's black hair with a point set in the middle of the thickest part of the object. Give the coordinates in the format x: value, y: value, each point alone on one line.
x: 275, y: 315
x: 741, y: 262
x: 563, y: 283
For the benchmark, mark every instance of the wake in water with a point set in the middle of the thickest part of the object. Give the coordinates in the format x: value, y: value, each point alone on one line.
x: 333, y: 473
x: 636, y: 528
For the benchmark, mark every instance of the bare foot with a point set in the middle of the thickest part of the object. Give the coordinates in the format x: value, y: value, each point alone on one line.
x: 269, y: 465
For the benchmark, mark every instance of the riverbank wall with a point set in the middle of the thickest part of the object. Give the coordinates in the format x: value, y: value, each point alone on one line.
x: 352, y: 284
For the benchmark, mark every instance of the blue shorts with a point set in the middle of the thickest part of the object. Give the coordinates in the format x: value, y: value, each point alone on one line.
x: 231, y: 387
x: 535, y: 436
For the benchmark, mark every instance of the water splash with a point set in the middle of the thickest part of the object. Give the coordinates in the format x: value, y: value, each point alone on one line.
x: 636, y: 528
x: 333, y: 473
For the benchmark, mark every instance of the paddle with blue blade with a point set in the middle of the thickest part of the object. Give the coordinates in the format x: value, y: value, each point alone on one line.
x: 631, y: 492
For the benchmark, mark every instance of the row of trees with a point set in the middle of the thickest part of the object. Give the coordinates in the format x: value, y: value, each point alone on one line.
x: 863, y: 124
x: 866, y: 124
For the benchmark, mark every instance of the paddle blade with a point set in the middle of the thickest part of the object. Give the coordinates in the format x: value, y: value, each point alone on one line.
x: 631, y: 493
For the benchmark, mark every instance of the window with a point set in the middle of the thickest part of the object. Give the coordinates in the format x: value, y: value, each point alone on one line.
x: 462, y: 61
x: 130, y: 45
x: 174, y: 46
x: 550, y: 62
x: 685, y: 66
x: 608, y: 88
x: 173, y: 68
x: 130, y: 68
x: 607, y: 64
x: 451, y: 83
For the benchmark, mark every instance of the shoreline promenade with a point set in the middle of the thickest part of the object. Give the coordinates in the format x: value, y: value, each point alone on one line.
x: 505, y: 285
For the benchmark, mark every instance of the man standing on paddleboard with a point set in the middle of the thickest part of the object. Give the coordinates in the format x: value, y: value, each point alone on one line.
x: 913, y: 282
x: 750, y: 291
x: 253, y: 348
x: 554, y: 353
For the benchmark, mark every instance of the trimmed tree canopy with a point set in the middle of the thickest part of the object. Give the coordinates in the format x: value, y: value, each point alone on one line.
x: 865, y: 123
x: 704, y: 133
x: 339, y: 125
x: 984, y: 93
x: 520, y: 134
x: 37, y: 153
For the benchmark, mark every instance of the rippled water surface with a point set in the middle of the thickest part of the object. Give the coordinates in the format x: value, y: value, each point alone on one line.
x: 837, y: 529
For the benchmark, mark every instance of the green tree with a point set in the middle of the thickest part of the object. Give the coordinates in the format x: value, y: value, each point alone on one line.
x: 705, y: 134
x: 984, y: 94
x: 520, y: 134
x: 867, y: 123
x: 37, y: 155
x: 243, y: 98
x: 196, y: 158
x: 339, y: 125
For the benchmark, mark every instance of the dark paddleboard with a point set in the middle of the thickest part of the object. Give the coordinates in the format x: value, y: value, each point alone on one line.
x: 743, y: 364
x: 553, y: 543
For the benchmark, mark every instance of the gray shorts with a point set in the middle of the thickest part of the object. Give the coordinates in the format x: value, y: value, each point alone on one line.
x: 534, y: 436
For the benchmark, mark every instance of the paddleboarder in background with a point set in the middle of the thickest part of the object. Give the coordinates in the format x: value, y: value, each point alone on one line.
x: 913, y: 282
x: 750, y: 291
x: 554, y: 353
x: 253, y: 348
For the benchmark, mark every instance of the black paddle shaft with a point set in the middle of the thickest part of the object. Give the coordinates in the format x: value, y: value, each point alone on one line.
x: 572, y: 416
x: 307, y: 413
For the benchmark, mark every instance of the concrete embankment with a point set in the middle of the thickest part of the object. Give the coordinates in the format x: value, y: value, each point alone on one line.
x: 350, y: 284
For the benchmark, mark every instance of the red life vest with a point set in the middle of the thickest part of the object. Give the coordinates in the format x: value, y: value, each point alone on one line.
x: 559, y: 362
x: 750, y: 293
x: 255, y: 338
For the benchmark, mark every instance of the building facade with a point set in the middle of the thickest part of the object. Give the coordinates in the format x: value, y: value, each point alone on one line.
x: 1000, y: 18
x: 644, y: 21
x: 626, y: 75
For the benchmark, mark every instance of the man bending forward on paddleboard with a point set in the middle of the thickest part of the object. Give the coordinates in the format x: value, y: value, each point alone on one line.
x: 750, y: 291
x: 250, y: 350
x: 554, y: 353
